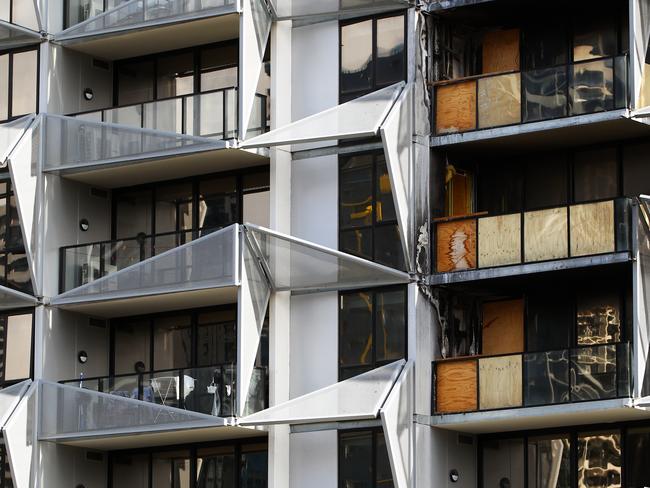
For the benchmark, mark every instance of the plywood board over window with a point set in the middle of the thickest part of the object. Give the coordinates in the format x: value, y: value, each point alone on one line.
x: 500, y: 382
x: 546, y: 235
x: 503, y: 327
x: 592, y: 228
x: 501, y: 51
x: 499, y: 240
x: 456, y: 386
x: 456, y: 107
x: 456, y: 245
x: 499, y: 100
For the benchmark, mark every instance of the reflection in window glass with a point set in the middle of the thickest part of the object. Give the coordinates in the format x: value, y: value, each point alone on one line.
x: 549, y: 462
x: 355, y: 329
x: 385, y: 202
x: 592, y: 87
x: 174, y: 208
x: 24, y: 82
x: 547, y: 378
x: 390, y: 50
x: 254, y: 470
x: 390, y: 325
x: 217, y: 203
x: 503, y: 463
x: 357, y: 242
x: 170, y: 469
x: 355, y: 460
x: 594, y: 38
x: 219, y: 67
x: 544, y: 47
x: 599, y: 318
x: 135, y: 82
x: 593, y: 373
x: 383, y: 474
x: 172, y: 346
x: 637, y: 447
x: 599, y: 459
x: 132, y: 346
x: 388, y: 246
x: 356, y: 56
x: 216, y: 338
x: 356, y: 192
x: 175, y: 75
x: 595, y: 174
x: 215, y: 468
x: 545, y: 94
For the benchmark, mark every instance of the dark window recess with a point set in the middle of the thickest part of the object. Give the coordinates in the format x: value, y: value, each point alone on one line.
x: 500, y: 188
x: 636, y: 169
x: 373, y: 54
x: 367, y: 217
x: 372, y: 329
x: 363, y: 459
x: 546, y: 182
x: 595, y: 174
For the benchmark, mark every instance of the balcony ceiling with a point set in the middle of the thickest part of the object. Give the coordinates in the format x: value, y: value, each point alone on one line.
x: 114, y: 175
x: 157, y: 38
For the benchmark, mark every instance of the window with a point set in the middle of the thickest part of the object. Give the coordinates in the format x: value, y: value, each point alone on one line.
x: 19, y: 12
x: 367, y: 217
x: 18, y: 83
x: 372, y: 329
x: 14, y: 269
x: 637, y: 447
x: 238, y: 465
x: 373, y: 55
x: 363, y: 459
x: 16, y: 337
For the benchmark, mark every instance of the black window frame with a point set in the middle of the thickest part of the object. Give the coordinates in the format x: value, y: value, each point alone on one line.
x: 347, y: 96
x: 374, y: 432
x: 373, y: 363
x: 10, y: 98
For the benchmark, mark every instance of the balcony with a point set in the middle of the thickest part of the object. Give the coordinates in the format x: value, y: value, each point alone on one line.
x: 582, y: 233
x: 579, y: 374
x: 208, y: 390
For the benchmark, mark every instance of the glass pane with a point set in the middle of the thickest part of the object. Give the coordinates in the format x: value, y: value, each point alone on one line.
x: 544, y: 47
x: 133, y: 213
x: 24, y: 82
x: 383, y: 476
x: 135, y: 82
x: 549, y: 320
x: 545, y: 94
x: 257, y: 208
x: 390, y: 50
x: 620, y: 82
x: 356, y: 192
x: 174, y: 208
x: 388, y: 246
x: 175, y: 75
x: 172, y: 342
x: 204, y: 114
x: 592, y: 87
x: 215, y: 468
x: 594, y: 38
x: 131, y: 470
x: 636, y: 169
x: 500, y: 189
x: 165, y: 115
x: 219, y: 67
x: 599, y: 459
x: 254, y: 470
x: 356, y: 56
x: 218, y: 203
x: 80, y: 10
x: 503, y: 463
x: 637, y: 447
x: 546, y: 181
x: 390, y: 323
x: 355, y: 329
x: 130, y: 115
x: 24, y: 13
x: 357, y: 242
x: 355, y: 460
x: 4, y: 87
x: 170, y: 469
x: 593, y: 373
x: 132, y: 345
x: 385, y: 202
x: 549, y: 462
x: 599, y: 318
x: 18, y: 347
x: 546, y: 377
x: 217, y: 338
x: 18, y: 275
x: 595, y: 174
x: 14, y: 239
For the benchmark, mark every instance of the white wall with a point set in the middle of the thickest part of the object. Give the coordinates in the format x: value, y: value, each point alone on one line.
x: 65, y: 466
x: 447, y: 454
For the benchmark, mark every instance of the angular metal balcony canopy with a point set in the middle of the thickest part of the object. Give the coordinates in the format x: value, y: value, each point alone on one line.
x: 310, y: 11
x: 18, y: 422
x: 14, y: 36
x: 11, y: 299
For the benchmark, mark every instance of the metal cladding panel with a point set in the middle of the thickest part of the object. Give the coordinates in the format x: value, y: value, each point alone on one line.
x: 76, y: 412
x: 358, y: 398
x: 397, y: 136
x: 10, y: 299
x: 255, y: 30
x: 139, y: 14
x: 14, y: 36
x: 9, y: 399
x: 20, y: 438
x: 333, y: 9
x: 301, y: 266
x: 74, y: 143
x: 357, y: 118
x: 207, y: 262
x: 399, y: 430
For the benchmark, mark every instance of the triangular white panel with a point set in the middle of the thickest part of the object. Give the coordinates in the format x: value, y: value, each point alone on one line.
x: 255, y: 30
x: 25, y: 175
x: 20, y: 439
x: 302, y: 266
x: 9, y: 399
x: 74, y: 143
x: 207, y: 262
x: 254, y: 294
x: 137, y: 14
x: 333, y: 9
x: 13, y: 36
x: 70, y: 413
x: 11, y: 133
x: 397, y: 421
x: 357, y: 118
x: 10, y: 299
x: 358, y: 398
x: 397, y: 136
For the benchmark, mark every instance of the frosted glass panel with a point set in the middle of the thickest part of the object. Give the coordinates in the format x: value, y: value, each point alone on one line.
x: 358, y: 398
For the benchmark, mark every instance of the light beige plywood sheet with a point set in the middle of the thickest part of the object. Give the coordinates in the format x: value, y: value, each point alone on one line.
x: 592, y: 228
x: 500, y: 382
x: 499, y: 240
x: 499, y: 100
x: 545, y: 234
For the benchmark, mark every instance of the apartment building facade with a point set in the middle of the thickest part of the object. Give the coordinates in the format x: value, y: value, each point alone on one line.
x: 288, y: 243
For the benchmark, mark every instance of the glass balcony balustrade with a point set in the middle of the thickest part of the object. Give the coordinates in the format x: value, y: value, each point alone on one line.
x: 514, y: 97
x: 481, y: 383
x: 486, y: 241
x: 210, y: 390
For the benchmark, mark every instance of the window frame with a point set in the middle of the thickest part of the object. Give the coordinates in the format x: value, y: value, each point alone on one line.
x: 347, y: 96
x: 374, y: 432
x: 10, y: 99
x: 373, y: 363
x: 6, y: 315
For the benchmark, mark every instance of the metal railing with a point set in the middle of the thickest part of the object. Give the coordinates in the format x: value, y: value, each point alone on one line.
x: 481, y: 383
x: 517, y: 97
x: 210, y: 390
x: 485, y: 241
x: 211, y: 114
